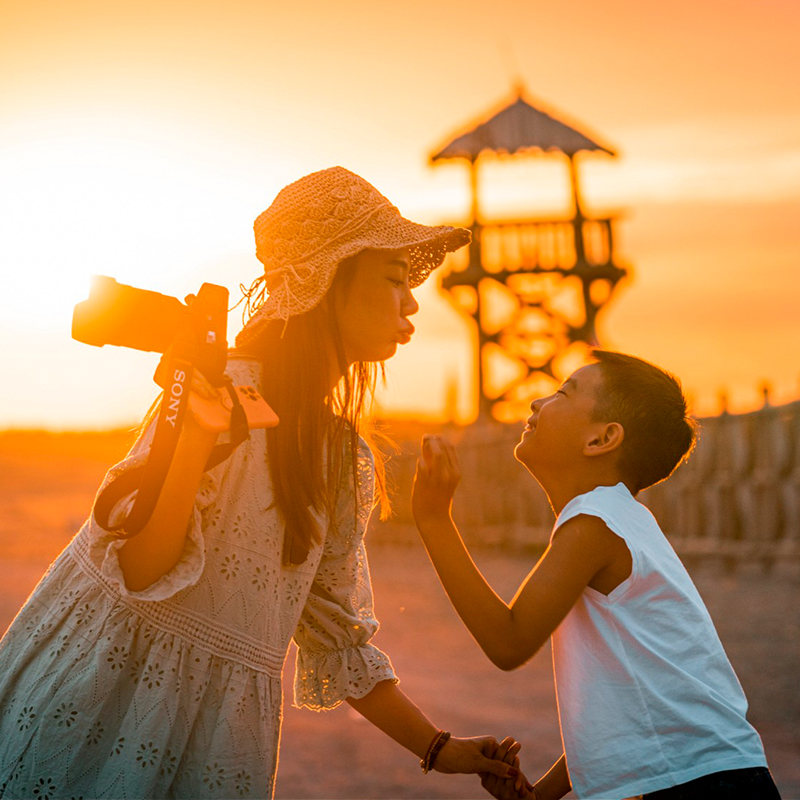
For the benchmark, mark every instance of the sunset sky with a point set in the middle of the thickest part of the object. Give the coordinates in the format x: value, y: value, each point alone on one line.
x: 140, y: 140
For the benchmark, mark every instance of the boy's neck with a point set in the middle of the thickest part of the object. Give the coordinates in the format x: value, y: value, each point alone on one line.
x: 561, y: 490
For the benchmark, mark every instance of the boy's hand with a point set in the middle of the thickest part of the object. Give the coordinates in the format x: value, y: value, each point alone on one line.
x: 435, y: 480
x: 464, y: 755
x: 505, y: 788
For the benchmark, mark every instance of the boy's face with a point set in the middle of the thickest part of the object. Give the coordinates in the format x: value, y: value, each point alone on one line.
x: 560, y: 425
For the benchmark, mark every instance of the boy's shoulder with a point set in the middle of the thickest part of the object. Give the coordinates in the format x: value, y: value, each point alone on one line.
x: 601, y: 497
x: 621, y: 512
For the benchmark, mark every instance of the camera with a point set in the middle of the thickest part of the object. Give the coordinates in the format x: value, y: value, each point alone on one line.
x: 194, y: 332
x: 144, y: 320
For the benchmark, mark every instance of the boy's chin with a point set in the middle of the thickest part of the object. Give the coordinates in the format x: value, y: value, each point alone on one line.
x: 522, y: 453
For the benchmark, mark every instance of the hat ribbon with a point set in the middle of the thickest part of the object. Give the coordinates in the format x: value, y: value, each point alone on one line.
x: 284, y: 294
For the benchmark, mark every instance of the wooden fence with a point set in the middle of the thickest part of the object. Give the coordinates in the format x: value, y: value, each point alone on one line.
x: 737, y: 498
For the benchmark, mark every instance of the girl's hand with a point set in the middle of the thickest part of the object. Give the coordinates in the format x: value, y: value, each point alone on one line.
x: 469, y: 755
x: 506, y: 788
x: 202, y: 387
x: 435, y: 480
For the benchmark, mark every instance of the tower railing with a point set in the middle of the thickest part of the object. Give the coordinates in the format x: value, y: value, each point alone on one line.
x: 547, y: 245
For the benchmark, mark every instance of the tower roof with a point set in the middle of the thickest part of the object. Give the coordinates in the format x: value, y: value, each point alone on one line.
x: 519, y: 126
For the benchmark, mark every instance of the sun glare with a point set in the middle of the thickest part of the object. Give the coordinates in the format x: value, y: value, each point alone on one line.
x: 76, y: 206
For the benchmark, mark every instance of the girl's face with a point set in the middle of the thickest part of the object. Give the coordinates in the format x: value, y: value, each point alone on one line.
x: 373, y: 308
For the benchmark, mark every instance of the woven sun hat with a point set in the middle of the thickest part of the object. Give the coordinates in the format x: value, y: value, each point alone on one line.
x: 315, y: 223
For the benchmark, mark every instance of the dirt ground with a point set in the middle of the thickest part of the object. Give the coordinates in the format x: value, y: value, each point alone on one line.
x: 44, y: 496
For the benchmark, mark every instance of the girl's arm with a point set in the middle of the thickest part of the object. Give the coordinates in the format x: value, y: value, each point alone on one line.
x: 509, y: 634
x: 388, y: 708
x: 154, y: 551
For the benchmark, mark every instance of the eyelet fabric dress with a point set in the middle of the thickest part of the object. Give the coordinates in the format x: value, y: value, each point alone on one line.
x: 175, y: 691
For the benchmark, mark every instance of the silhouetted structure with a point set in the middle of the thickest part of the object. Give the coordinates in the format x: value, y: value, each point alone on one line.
x: 555, y: 274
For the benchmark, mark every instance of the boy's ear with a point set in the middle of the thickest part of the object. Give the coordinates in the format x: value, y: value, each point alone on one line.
x: 605, y: 438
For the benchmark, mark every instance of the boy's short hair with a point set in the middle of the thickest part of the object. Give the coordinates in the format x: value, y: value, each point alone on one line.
x: 649, y: 404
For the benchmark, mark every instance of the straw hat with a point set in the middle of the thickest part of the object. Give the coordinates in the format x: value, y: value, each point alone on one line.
x: 315, y: 223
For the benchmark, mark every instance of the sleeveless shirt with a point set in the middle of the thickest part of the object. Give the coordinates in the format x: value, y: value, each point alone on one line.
x: 647, y: 698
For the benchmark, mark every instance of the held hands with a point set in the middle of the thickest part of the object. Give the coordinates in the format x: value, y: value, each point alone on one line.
x: 477, y: 754
x: 435, y: 480
x: 506, y: 788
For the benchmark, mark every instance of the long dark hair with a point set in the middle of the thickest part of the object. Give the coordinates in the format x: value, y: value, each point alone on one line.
x: 313, y: 452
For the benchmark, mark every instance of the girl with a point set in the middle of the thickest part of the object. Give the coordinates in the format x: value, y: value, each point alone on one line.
x: 151, y: 666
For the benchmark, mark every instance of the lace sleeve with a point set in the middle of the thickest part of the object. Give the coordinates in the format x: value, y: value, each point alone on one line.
x: 335, y: 658
x: 104, y: 546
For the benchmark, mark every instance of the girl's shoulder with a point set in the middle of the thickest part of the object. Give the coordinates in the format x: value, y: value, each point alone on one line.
x: 243, y: 369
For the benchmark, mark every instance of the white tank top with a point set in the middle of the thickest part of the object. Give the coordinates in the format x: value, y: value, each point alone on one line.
x: 647, y: 698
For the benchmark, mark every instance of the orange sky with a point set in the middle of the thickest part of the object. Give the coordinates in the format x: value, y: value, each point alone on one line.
x: 140, y: 140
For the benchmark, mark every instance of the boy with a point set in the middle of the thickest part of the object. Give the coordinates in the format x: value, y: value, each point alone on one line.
x: 648, y: 702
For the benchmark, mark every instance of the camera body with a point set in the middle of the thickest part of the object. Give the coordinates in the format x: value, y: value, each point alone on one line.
x: 192, y: 336
x: 144, y: 320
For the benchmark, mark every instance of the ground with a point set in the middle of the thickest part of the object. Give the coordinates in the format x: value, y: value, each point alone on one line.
x: 47, y: 489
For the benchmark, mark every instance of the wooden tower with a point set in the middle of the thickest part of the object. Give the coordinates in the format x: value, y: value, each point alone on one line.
x: 550, y: 277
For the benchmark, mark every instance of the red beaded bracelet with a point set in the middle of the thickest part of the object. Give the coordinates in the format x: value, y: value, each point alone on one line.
x: 435, y: 747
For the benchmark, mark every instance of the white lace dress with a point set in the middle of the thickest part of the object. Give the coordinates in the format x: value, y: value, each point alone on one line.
x: 175, y: 691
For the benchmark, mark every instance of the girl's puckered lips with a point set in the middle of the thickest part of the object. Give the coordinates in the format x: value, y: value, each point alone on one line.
x: 404, y: 337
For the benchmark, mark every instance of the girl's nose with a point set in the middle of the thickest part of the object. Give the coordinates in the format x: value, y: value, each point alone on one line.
x: 410, y: 304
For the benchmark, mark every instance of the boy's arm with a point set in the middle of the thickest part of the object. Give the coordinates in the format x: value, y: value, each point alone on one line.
x: 509, y: 634
x: 554, y: 784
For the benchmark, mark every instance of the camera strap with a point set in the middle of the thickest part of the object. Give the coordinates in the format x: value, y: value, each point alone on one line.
x: 239, y: 430
x: 148, y: 479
